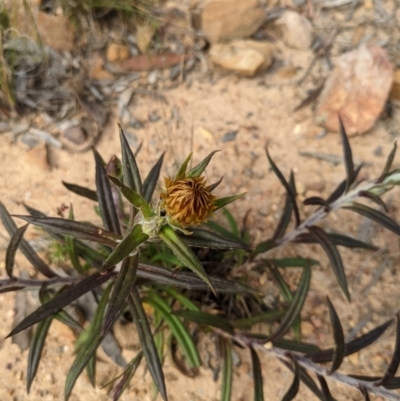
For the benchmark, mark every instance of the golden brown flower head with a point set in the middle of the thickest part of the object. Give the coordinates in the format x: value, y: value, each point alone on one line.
x: 187, y: 201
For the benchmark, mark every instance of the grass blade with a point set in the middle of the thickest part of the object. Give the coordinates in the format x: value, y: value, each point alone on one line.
x: 147, y: 341
x: 130, y: 169
x: 324, y: 388
x: 126, y: 247
x: 334, y: 257
x: 337, y: 193
x: 222, y: 202
x: 182, y: 169
x: 184, y: 253
x: 375, y: 215
x: 257, y: 376
x: 288, y: 188
x: 205, y: 319
x: 63, y: 299
x: 374, y: 198
x: 151, y: 180
x: 199, y: 169
x: 339, y: 349
x: 294, y: 387
x: 261, y: 318
x: 35, y: 350
x: 38, y: 263
x: 296, y: 346
x: 107, y: 207
x: 295, y: 306
x: 348, y: 157
x: 12, y: 249
x: 395, y: 361
x: 81, y: 191
x: 388, y: 164
x: 227, y: 369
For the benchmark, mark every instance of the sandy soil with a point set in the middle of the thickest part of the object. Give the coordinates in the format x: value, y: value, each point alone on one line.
x: 196, y: 117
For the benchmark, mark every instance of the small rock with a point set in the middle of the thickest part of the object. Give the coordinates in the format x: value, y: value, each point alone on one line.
x: 297, y: 31
x: 144, y: 35
x: 37, y: 156
x: 357, y: 90
x: 245, y: 57
x: 75, y: 134
x: 395, y: 91
x: 152, y: 78
x: 231, y: 19
x: 116, y: 52
x: 229, y: 136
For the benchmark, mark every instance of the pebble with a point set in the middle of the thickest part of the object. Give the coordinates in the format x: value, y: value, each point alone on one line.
x: 75, y: 134
x: 152, y: 78
x: 229, y: 136
x: 117, y: 52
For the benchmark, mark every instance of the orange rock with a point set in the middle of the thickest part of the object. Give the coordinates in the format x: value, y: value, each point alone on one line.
x: 116, y: 52
x: 357, y: 90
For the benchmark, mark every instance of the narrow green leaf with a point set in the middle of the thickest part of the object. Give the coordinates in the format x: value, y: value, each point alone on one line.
x: 286, y: 212
x: 353, y: 346
x: 130, y: 169
x: 375, y: 215
x: 227, y: 369
x: 265, y: 246
x: 389, y: 163
x: 257, y: 376
x: 337, y: 193
x: 393, y: 385
x: 288, y: 188
x: 150, y: 182
x: 38, y: 263
x: 221, y: 230
x: 292, y: 262
x: 374, y: 198
x: 215, y: 185
x: 199, y: 169
x: 296, y: 346
x: 126, y: 247
x: 207, y: 239
x: 261, y: 318
x: 35, y: 350
x: 147, y: 341
x: 395, y: 361
x: 63, y: 299
x: 76, y: 229
x: 294, y: 387
x: 232, y: 223
x: 72, y: 249
x: 337, y: 239
x: 184, y: 253
x: 12, y: 249
x: 364, y: 392
x: 338, y: 336
x: 324, y: 388
x: 334, y: 257
x: 177, y: 328
x: 205, y: 319
x: 295, y: 306
x: 121, y: 289
x: 184, y: 301
x: 316, y: 201
x: 91, y: 370
x: 107, y: 207
x: 182, y: 169
x: 222, y: 202
x: 348, y: 157
x: 81, y: 191
x: 132, y: 197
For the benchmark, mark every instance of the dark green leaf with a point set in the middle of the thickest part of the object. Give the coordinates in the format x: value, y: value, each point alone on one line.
x: 206, y: 319
x: 82, y: 191
x: 294, y: 387
x: 227, y: 369
x: 147, y: 341
x: 292, y: 262
x: 324, y: 388
x: 199, y: 169
x: 261, y: 318
x: 374, y: 198
x: 395, y: 361
x: 184, y: 253
x: 288, y: 188
x: 207, y: 239
x: 215, y: 185
x: 12, y: 249
x: 286, y: 212
x: 257, y: 376
x: 295, y: 306
x: 182, y: 299
x: 177, y: 328
x: 337, y: 239
x: 296, y: 346
x: 35, y: 350
x: 334, y: 257
x: 132, y: 240
x: 222, y: 202
x: 189, y: 280
x: 133, y: 197
x: 91, y: 370
x: 232, y: 223
x: 339, y: 349
x: 121, y: 289
x: 364, y: 392
x: 182, y: 169
x: 348, y: 157
x: 265, y: 246
x: 337, y: 193
x: 316, y: 201
x: 76, y: 229
x: 107, y: 207
x: 130, y: 169
x: 393, y: 385
x: 375, y: 215
x: 72, y: 249
x: 151, y: 181
x: 26, y: 249
x: 389, y: 163
x: 353, y: 346
x: 63, y: 299
x: 221, y: 230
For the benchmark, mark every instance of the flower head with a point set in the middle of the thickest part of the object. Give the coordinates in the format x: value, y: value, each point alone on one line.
x: 188, y: 201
